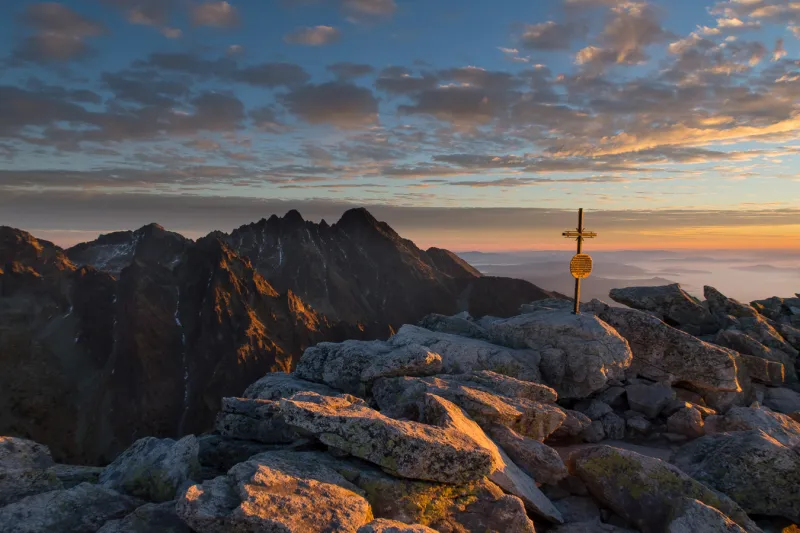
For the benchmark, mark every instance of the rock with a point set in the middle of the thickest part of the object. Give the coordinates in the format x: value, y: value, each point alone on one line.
x: 614, y: 396
x: 579, y: 353
x: 81, y: 509
x: 613, y: 426
x: 400, y: 397
x: 778, y: 309
x: 754, y: 469
x: 762, y: 371
x: 275, y: 491
x: 463, y: 355
x: 476, y: 506
x: 645, y: 491
x: 782, y: 400
x: 746, y: 345
x: 219, y: 454
x: 463, y: 326
x: 538, y: 460
x: 671, y: 304
x: 594, y: 526
x: 594, y: 409
x: 573, y: 426
x: 688, y: 422
x: 71, y: 475
x: 507, y: 475
x: 25, y: 469
x: 676, y: 405
x: 255, y: 420
x: 594, y: 433
x: 697, y: 517
x: 502, y: 385
x: 780, y: 427
x: 639, y: 424
x: 150, y: 518
x: 408, y: 449
x: 578, y: 509
x: 153, y: 469
x: 661, y: 352
x: 277, y: 385
x: 649, y: 399
x: 350, y: 366
x: 393, y: 526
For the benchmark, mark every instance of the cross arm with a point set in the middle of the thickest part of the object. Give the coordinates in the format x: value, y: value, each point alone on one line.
x: 576, y: 234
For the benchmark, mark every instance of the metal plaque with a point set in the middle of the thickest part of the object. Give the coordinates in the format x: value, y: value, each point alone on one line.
x: 581, y: 266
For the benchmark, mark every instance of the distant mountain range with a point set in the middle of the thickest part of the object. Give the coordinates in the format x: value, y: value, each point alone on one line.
x: 141, y: 332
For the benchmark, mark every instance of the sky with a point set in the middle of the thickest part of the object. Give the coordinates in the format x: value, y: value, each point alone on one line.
x: 465, y: 124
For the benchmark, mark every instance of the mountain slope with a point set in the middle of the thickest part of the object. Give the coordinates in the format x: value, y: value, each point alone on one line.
x: 89, y: 361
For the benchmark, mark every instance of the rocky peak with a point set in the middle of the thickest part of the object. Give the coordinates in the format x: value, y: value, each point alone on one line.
x: 452, y: 265
x: 42, y: 256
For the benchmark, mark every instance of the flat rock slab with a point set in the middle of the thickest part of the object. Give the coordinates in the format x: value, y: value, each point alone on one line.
x: 275, y: 492
x: 81, y: 509
x: 754, y: 469
x: 538, y: 460
x: 778, y: 426
x: 277, y: 385
x: 661, y: 352
x: 645, y: 491
x: 579, y: 353
x: 153, y: 469
x: 408, y: 449
x: 255, y: 420
x: 400, y: 398
x: 671, y: 304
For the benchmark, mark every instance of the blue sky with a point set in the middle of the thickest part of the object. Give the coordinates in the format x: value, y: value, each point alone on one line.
x: 659, y: 107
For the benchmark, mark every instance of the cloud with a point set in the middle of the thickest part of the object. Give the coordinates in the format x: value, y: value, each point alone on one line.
x: 153, y: 13
x: 780, y: 50
x: 215, y: 14
x: 348, y: 71
x: 550, y: 35
x: 59, y: 34
x: 463, y: 105
x: 630, y: 29
x: 370, y: 7
x: 271, y: 75
x: 316, y: 36
x: 340, y: 104
x: 398, y: 80
x: 479, y: 77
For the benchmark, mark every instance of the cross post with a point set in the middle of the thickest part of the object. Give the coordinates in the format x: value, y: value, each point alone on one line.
x: 581, y: 264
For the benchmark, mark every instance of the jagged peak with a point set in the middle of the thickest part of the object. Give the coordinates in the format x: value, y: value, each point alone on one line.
x: 293, y: 218
x: 358, y: 216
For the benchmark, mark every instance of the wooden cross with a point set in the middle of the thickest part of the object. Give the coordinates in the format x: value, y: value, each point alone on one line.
x: 581, y: 265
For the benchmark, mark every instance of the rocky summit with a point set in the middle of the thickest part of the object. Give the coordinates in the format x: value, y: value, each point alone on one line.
x: 618, y: 420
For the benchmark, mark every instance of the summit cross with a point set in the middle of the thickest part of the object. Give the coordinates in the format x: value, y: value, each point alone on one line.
x: 581, y: 264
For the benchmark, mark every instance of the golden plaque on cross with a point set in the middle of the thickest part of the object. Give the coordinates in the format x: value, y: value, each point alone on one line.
x: 581, y: 266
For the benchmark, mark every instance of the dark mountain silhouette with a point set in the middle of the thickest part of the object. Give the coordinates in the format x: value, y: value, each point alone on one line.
x: 142, y: 332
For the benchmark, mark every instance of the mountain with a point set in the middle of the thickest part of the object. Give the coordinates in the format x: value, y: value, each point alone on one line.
x: 90, y: 361
x: 142, y: 332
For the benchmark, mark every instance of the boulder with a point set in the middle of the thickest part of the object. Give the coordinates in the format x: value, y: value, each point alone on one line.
x: 573, y: 426
x: 462, y: 325
x: 400, y: 397
x: 594, y: 433
x: 153, y: 469
x: 254, y: 420
x: 507, y: 475
x: 647, y: 492
x: 475, y: 506
x: 639, y: 425
x: 778, y: 426
x: 783, y: 400
x: 81, y: 509
x: 275, y: 491
x: 160, y: 517
x: 594, y: 409
x: 697, y: 517
x: 754, y: 469
x: 579, y: 353
x: 382, y: 525
x: 502, y: 385
x: 462, y: 355
x: 649, y: 399
x: 661, y: 352
x: 687, y: 421
x: 218, y: 454
x: 71, y: 475
x: 25, y: 469
x: 762, y: 371
x: 613, y: 426
x: 578, y: 509
x: 538, y: 460
x: 407, y: 449
x: 593, y: 526
x: 671, y: 304
x: 614, y: 396
x: 277, y: 385
x: 350, y: 366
